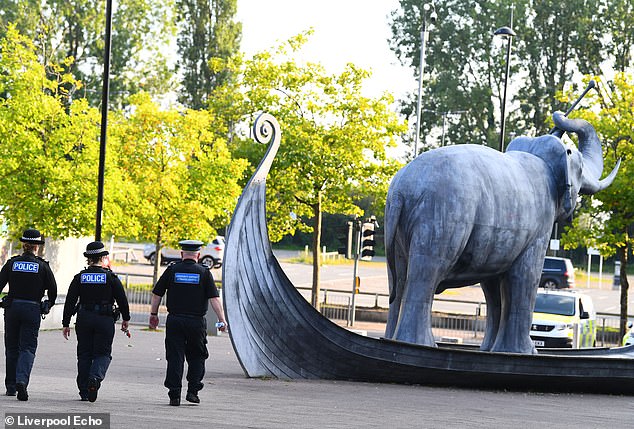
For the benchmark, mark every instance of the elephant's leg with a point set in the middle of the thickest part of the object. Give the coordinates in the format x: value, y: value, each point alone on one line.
x: 491, y: 289
x: 397, y: 275
x: 519, y: 290
x: 423, y: 275
x: 392, y: 317
x: 395, y: 309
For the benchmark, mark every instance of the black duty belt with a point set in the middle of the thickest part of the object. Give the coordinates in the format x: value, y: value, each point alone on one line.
x: 26, y: 301
x: 190, y: 316
x: 96, y: 307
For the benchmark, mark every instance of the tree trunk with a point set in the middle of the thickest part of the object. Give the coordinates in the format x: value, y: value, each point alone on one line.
x: 157, y: 255
x: 316, y: 252
x: 622, y: 252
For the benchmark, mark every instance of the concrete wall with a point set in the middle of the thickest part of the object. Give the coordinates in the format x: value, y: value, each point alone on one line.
x: 66, y: 258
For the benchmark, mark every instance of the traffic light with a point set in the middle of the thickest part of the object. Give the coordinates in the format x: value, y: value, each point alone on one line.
x: 346, y: 249
x: 367, y: 241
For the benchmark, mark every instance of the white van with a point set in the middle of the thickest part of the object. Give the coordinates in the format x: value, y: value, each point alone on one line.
x: 563, y: 319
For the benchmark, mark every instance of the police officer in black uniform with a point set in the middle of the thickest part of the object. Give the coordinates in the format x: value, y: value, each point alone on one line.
x: 29, y: 276
x: 189, y: 286
x: 96, y: 288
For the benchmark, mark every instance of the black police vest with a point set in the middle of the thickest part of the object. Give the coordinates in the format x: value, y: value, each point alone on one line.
x: 95, y: 286
x: 27, y: 277
x: 187, y: 289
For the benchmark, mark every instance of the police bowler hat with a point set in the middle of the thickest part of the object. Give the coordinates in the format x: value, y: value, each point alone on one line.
x: 190, y: 245
x: 95, y: 249
x: 32, y: 236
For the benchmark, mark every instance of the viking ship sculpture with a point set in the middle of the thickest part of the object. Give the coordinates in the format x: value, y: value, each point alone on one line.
x: 276, y: 333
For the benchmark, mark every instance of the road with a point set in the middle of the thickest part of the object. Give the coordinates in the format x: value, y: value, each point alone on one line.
x: 338, y: 277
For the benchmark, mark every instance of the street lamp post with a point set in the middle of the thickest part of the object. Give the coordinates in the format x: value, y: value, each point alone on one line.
x: 104, y: 119
x: 509, y: 34
x: 428, y: 8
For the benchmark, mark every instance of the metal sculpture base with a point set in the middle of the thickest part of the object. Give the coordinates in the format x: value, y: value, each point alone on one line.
x: 276, y: 333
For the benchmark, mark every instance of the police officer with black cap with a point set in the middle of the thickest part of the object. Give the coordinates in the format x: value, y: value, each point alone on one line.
x: 97, y: 288
x: 29, y: 276
x: 189, y: 286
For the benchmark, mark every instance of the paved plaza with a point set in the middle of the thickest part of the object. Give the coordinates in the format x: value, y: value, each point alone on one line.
x: 134, y: 396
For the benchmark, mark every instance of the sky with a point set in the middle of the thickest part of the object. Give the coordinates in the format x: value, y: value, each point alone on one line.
x: 345, y: 31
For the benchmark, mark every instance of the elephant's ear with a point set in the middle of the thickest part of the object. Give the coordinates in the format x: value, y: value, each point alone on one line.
x: 552, y: 151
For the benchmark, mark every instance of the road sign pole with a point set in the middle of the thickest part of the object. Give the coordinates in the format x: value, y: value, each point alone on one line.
x: 355, y: 271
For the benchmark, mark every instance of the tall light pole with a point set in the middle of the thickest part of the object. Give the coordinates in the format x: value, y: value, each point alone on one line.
x: 428, y: 9
x: 104, y: 118
x: 509, y: 34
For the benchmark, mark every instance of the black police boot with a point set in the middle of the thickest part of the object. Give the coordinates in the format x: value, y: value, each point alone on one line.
x: 10, y: 391
x: 93, y: 387
x: 22, y: 393
x: 192, y: 397
x: 175, y: 397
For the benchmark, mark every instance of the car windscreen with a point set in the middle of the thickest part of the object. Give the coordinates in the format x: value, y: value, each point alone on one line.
x: 555, y: 304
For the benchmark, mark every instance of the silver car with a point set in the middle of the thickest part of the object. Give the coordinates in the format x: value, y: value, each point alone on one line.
x: 210, y: 255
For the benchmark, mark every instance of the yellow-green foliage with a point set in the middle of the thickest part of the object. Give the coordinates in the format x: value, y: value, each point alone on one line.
x: 334, y: 138
x: 178, y: 176
x: 48, y: 145
x: 603, y: 220
x: 168, y: 174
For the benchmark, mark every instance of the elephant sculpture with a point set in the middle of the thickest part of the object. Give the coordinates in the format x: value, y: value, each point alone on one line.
x: 464, y: 214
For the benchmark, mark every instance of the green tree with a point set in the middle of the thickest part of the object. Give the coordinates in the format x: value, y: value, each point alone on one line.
x: 182, y: 180
x: 49, y: 150
x: 618, y: 21
x: 606, y: 220
x: 207, y: 31
x: 333, y: 138
x: 465, y: 67
x: 461, y: 70
x: 24, y: 14
x: 60, y: 29
x: 550, y: 58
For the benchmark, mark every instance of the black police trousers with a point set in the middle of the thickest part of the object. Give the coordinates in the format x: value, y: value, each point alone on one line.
x: 21, y: 327
x: 95, y: 333
x: 185, y: 338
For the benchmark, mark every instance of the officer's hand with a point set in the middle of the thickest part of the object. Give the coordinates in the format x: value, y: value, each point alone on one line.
x: 224, y: 327
x: 66, y: 332
x: 154, y: 321
x: 124, y: 325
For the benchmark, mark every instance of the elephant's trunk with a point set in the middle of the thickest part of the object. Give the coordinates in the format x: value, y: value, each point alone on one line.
x: 590, y: 148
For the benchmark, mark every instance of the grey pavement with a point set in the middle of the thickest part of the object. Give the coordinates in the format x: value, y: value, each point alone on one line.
x: 134, y: 396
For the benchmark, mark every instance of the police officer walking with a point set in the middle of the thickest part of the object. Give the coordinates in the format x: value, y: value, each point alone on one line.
x: 189, y: 287
x: 29, y: 276
x: 97, y: 288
